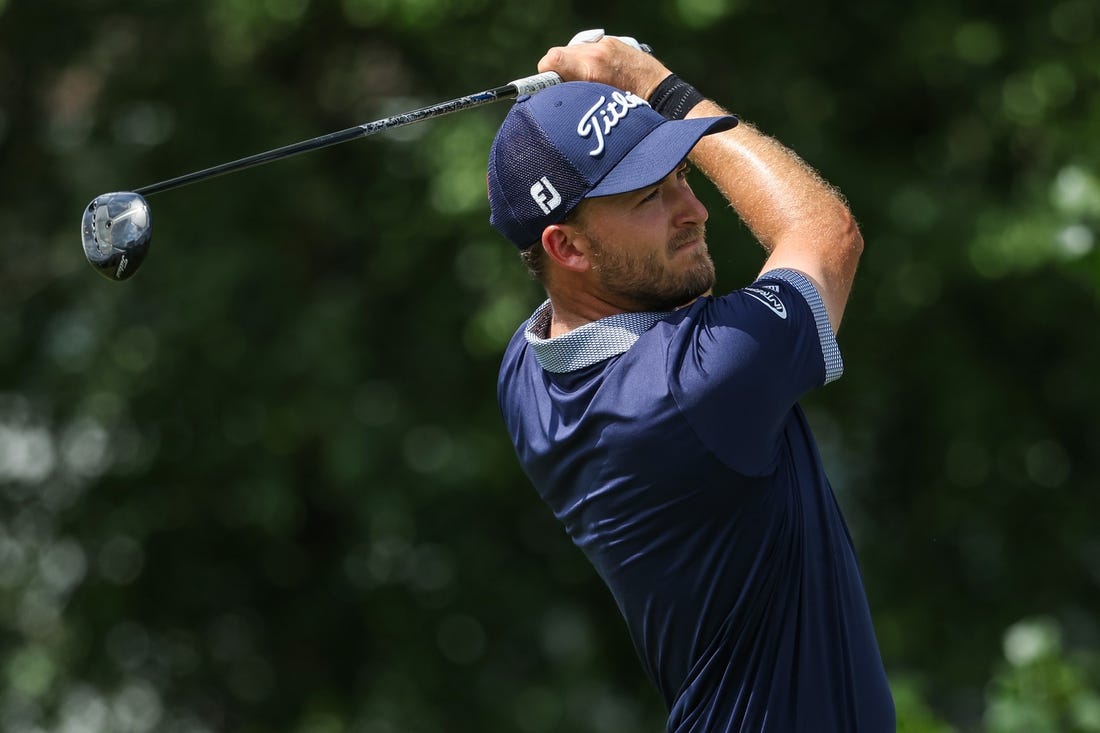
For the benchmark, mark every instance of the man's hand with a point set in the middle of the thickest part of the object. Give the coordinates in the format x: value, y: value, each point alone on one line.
x: 608, y: 61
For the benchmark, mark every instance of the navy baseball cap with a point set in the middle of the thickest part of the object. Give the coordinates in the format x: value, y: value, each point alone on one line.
x: 580, y: 140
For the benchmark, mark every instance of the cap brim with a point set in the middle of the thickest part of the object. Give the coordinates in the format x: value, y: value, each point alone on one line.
x: 658, y: 154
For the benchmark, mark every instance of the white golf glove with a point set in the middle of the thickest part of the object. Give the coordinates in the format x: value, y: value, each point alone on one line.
x: 595, y: 34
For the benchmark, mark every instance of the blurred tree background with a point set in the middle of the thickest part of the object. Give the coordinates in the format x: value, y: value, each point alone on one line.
x: 263, y: 486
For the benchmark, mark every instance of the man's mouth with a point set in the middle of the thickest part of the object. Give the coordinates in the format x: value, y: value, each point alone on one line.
x: 689, y: 241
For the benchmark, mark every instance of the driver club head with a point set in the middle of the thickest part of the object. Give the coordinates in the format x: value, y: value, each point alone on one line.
x: 116, y: 232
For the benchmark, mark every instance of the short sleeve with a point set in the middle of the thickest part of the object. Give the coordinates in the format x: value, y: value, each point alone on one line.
x: 742, y: 361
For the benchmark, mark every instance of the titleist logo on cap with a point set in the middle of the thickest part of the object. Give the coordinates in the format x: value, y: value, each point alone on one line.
x: 609, y: 114
x: 579, y: 140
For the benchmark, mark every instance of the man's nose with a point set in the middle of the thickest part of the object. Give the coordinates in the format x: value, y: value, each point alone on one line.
x: 690, y: 210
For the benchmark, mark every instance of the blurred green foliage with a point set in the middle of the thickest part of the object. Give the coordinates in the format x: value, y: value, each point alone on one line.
x: 1041, y: 688
x: 263, y: 486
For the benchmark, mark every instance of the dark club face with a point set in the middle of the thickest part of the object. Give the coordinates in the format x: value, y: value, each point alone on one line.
x: 116, y: 232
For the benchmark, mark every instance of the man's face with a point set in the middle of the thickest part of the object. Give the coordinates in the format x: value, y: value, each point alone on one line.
x: 648, y: 247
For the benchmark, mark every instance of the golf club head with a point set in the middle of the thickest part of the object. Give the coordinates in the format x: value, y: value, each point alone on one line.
x: 116, y: 232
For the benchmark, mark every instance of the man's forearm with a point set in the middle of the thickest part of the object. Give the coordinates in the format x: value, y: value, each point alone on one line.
x: 800, y: 220
x: 774, y: 192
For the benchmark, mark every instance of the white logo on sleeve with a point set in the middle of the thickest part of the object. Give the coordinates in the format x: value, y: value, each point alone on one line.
x: 769, y: 299
x: 545, y: 195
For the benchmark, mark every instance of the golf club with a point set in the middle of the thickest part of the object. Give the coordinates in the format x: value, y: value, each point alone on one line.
x: 117, y: 228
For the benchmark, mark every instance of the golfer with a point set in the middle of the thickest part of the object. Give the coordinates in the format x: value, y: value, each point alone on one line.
x: 660, y: 422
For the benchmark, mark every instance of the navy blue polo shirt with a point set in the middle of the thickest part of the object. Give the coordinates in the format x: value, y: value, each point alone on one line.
x: 672, y: 449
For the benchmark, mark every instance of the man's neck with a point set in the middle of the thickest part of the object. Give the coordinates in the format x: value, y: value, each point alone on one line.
x: 571, y: 313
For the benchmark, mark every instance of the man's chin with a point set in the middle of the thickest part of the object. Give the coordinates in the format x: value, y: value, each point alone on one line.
x: 687, y: 296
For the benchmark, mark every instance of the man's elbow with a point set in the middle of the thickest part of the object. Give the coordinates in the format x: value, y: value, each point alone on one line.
x: 851, y: 239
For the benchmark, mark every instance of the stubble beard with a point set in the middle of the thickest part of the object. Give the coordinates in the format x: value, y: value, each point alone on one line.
x: 648, y: 282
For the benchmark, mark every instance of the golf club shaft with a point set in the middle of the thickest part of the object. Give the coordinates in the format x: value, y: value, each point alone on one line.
x: 526, y: 85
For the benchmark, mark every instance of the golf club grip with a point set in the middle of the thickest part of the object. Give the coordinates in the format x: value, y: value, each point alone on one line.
x: 535, y: 83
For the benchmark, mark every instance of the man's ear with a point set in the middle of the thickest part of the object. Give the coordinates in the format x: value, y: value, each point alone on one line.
x: 565, y: 246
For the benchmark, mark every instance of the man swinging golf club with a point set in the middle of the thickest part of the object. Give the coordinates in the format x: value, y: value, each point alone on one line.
x: 659, y: 421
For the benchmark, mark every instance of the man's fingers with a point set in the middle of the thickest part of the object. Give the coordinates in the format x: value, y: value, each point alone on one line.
x: 569, y: 66
x: 551, y: 61
x: 609, y: 61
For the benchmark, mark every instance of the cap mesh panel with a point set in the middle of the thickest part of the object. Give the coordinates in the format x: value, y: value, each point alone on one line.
x: 521, y: 155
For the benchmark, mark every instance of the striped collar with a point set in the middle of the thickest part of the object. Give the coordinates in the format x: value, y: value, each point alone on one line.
x: 588, y: 344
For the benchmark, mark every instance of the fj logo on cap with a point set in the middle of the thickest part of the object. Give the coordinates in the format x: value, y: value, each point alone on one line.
x: 545, y: 195
x: 609, y: 115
